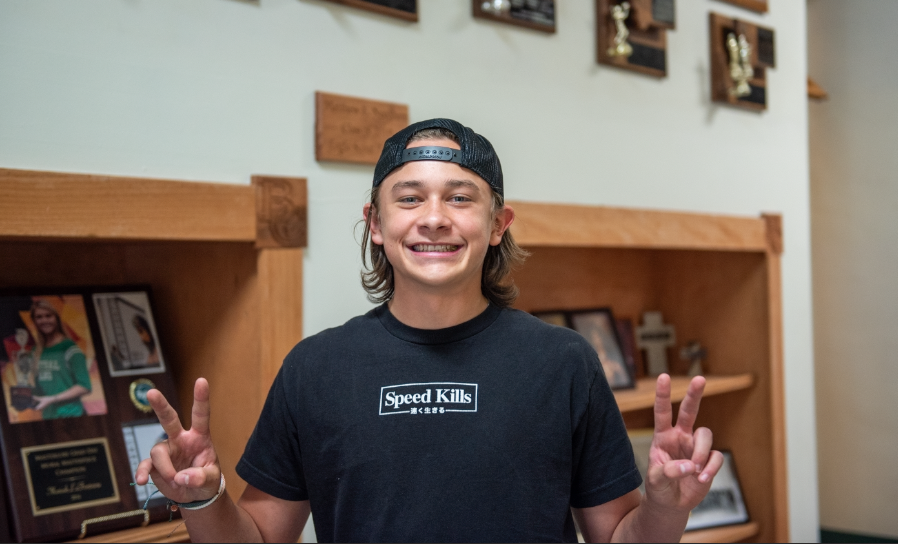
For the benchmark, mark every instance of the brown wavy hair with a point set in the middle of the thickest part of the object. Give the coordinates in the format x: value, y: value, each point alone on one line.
x: 500, y: 260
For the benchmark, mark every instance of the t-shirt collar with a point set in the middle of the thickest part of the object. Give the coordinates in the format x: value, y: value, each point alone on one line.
x: 436, y: 336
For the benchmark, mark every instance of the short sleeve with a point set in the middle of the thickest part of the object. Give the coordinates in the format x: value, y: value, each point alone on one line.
x: 78, y: 365
x: 604, y: 468
x: 272, y: 460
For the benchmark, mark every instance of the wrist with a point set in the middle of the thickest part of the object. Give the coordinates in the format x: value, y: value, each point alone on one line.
x: 661, y: 510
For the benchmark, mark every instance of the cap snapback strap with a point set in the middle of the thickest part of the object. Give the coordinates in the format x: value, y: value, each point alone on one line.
x: 431, y: 153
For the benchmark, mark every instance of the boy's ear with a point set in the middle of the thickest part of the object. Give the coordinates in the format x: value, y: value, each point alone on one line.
x: 504, y: 219
x: 373, y: 224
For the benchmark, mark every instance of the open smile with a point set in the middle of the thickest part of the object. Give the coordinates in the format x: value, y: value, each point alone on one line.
x: 434, y: 248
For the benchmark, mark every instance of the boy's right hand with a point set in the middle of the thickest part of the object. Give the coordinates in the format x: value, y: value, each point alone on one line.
x: 184, y: 467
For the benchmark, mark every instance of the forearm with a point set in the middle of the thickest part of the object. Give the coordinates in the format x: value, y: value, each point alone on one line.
x: 74, y: 392
x: 651, y: 523
x: 222, y: 521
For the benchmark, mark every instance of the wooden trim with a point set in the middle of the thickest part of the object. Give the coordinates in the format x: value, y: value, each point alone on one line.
x: 643, y: 396
x: 281, y: 211
x: 815, y: 91
x: 61, y: 205
x: 382, y: 10
x: 569, y: 225
x: 780, y: 485
x: 730, y: 533
x: 280, y: 310
x: 774, y: 228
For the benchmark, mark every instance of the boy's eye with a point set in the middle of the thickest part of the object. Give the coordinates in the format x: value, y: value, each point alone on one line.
x: 460, y: 198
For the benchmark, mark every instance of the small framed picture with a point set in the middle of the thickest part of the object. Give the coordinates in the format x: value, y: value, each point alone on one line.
x: 558, y: 319
x: 633, y: 356
x: 600, y: 330
x: 47, y: 359
x: 723, y: 505
x: 130, y: 341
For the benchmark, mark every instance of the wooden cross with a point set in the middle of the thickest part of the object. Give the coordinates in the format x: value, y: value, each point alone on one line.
x: 655, y: 337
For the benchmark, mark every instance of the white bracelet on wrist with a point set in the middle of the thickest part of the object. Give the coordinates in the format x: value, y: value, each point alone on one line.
x: 199, y: 505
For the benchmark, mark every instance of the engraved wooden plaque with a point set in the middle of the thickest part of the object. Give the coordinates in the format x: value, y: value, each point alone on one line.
x: 401, y: 9
x: 755, y: 5
x: 349, y: 129
x: 535, y: 15
x: 59, y: 468
x: 762, y: 58
x: 647, y: 23
x: 281, y: 212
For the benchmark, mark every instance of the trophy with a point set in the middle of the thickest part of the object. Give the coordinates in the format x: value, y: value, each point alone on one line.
x: 22, y: 394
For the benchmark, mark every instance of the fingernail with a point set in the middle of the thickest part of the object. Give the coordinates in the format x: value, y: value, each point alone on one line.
x: 704, y: 478
x: 186, y: 479
x: 698, y: 468
x: 683, y: 468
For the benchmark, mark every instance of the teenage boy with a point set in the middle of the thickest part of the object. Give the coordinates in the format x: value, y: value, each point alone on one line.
x: 441, y: 415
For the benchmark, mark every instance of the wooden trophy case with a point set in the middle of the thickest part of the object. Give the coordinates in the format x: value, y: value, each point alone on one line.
x: 228, y: 310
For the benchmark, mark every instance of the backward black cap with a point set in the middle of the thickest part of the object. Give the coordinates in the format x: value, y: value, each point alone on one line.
x: 477, y: 153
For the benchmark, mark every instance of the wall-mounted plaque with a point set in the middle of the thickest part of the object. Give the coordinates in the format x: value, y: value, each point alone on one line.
x: 350, y: 129
x: 402, y: 9
x: 69, y: 476
x: 633, y: 34
x: 741, y: 53
x: 755, y: 5
x: 535, y: 14
x: 76, y: 364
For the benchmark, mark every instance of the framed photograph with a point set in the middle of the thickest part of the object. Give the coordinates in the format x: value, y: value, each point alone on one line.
x: 724, y: 504
x: 401, y: 9
x: 129, y: 334
x: 598, y: 327
x: 47, y: 361
x: 534, y: 14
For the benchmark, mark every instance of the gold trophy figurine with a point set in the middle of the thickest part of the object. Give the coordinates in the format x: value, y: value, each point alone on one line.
x: 621, y: 48
x: 23, y: 392
x: 740, y: 64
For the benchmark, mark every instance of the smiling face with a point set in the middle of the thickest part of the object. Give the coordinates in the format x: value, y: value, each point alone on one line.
x: 46, y: 322
x: 435, y: 223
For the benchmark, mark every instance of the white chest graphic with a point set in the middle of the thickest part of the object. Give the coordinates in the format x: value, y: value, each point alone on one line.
x: 428, y: 398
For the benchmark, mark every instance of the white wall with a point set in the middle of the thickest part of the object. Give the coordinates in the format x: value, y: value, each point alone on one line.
x: 221, y: 89
x: 854, y: 195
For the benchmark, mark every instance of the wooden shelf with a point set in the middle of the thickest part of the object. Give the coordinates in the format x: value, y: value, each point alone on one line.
x: 718, y: 280
x: 730, y: 533
x: 644, y: 394
x: 175, y: 531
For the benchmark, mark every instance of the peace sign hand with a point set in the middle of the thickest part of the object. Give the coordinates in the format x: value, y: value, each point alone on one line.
x: 681, y: 463
x: 185, y: 467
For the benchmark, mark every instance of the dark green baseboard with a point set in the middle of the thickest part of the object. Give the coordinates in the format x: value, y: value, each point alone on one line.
x: 827, y: 535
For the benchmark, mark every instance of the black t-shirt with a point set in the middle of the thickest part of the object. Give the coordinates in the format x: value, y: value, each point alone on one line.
x: 486, y: 431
